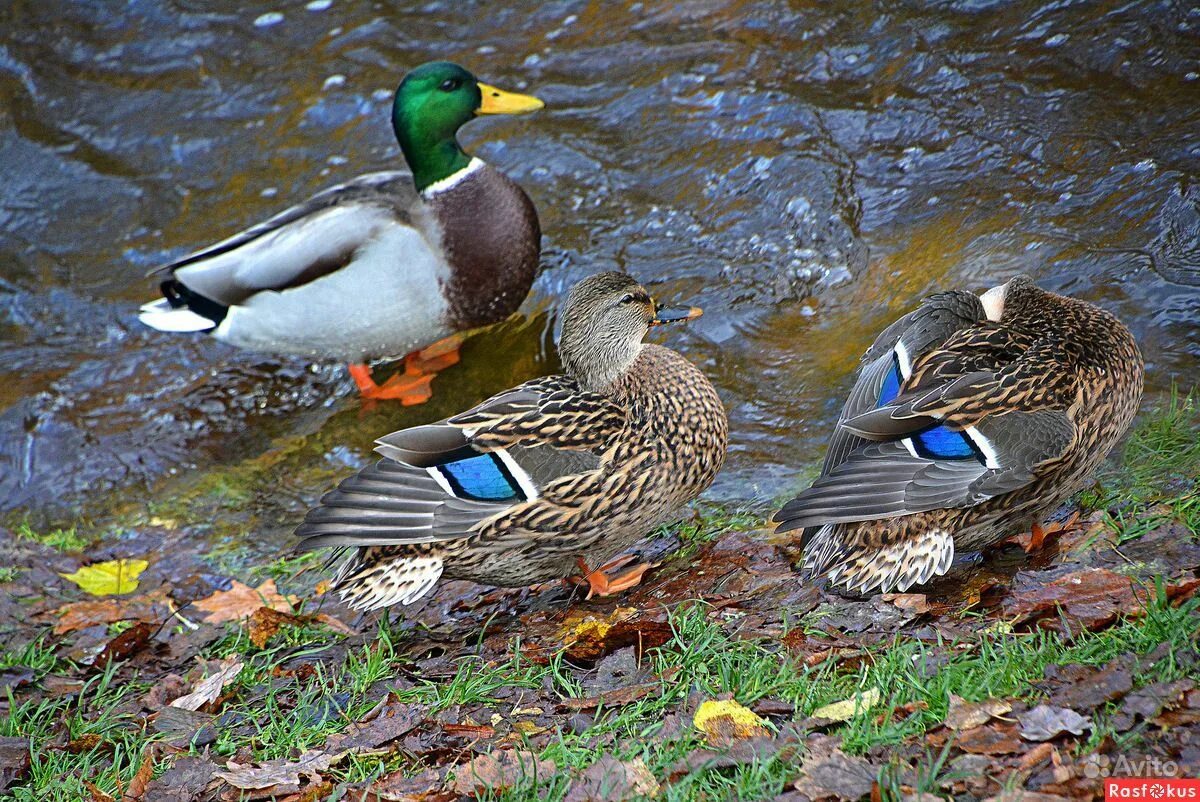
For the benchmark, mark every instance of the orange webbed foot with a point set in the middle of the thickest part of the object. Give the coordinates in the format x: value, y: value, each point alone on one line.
x: 601, y: 584
x: 1038, y: 534
x: 412, y: 385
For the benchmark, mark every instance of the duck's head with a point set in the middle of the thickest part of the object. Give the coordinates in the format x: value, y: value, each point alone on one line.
x: 606, y: 318
x: 432, y: 103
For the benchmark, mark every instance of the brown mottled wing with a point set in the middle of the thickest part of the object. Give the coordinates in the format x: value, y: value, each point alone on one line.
x: 1000, y: 370
x: 552, y: 411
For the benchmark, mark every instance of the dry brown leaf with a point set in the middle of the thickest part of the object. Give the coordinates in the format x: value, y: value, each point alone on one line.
x: 915, y: 603
x: 1045, y: 723
x: 87, y: 613
x: 836, y: 775
x: 964, y: 715
x: 500, y: 770
x: 136, y: 791
x: 96, y: 794
x: 613, y: 780
x: 241, y: 600
x: 208, y: 690
x: 266, y: 621
x: 271, y: 773
x: 993, y: 739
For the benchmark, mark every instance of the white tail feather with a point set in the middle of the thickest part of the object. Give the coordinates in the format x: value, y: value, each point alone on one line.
x: 403, y: 580
x: 162, y: 316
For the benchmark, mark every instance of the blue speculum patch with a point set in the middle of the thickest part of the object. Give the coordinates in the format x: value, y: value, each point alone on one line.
x: 936, y: 443
x: 891, y: 384
x: 482, y: 478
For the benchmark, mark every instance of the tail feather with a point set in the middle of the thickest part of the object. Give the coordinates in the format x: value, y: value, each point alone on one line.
x: 371, y: 579
x: 162, y: 316
x: 181, y: 309
x: 863, y: 569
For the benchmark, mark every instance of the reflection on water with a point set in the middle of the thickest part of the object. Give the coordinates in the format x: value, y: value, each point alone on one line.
x: 805, y: 174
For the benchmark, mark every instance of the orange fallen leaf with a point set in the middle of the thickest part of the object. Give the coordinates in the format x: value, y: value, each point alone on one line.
x: 266, y: 621
x: 136, y: 791
x: 241, y: 600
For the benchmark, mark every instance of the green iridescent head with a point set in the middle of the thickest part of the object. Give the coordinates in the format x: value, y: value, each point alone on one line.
x: 432, y: 103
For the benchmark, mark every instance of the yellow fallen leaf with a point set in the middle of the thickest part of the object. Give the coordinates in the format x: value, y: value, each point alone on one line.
x: 724, y: 720
x: 110, y: 578
x: 849, y: 708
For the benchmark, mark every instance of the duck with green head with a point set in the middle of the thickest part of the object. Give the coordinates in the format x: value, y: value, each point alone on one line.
x: 382, y: 266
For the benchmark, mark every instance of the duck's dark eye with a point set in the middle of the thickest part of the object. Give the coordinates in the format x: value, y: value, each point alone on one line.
x: 627, y: 298
x: 450, y: 84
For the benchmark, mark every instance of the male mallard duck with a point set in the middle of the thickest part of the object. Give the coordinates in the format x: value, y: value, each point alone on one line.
x: 383, y: 265
x: 562, y: 471
x: 971, y: 418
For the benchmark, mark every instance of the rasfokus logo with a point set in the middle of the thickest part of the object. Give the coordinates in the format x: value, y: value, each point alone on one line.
x: 1152, y: 789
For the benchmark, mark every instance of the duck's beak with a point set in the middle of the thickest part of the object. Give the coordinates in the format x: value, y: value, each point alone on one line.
x: 674, y: 314
x: 497, y: 101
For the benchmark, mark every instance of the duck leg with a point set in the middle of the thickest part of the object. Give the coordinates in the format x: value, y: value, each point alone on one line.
x: 601, y: 584
x: 1038, y: 534
x: 412, y: 385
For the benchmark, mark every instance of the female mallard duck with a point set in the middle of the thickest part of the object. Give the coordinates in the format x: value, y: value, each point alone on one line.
x: 383, y: 265
x: 560, y: 472
x: 971, y: 418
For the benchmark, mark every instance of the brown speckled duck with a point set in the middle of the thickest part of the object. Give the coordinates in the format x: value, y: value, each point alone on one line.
x: 971, y: 418
x: 562, y: 472
x: 386, y: 265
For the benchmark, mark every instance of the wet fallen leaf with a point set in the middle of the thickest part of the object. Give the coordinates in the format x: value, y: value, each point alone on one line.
x: 111, y: 578
x: 1148, y: 702
x: 14, y: 760
x: 185, y: 728
x: 737, y: 753
x: 964, y: 715
x: 125, y: 645
x: 613, y: 780
x: 1092, y: 598
x: 14, y: 678
x: 848, y: 708
x: 1044, y: 723
x: 185, y: 781
x: 1095, y: 687
x: 499, y: 771
x: 241, y: 600
x: 271, y: 773
x: 208, y: 690
x: 724, y: 720
x: 614, y: 698
x: 404, y: 787
x: 392, y: 721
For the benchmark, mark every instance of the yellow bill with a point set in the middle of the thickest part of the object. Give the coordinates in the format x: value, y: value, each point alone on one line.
x: 497, y: 101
